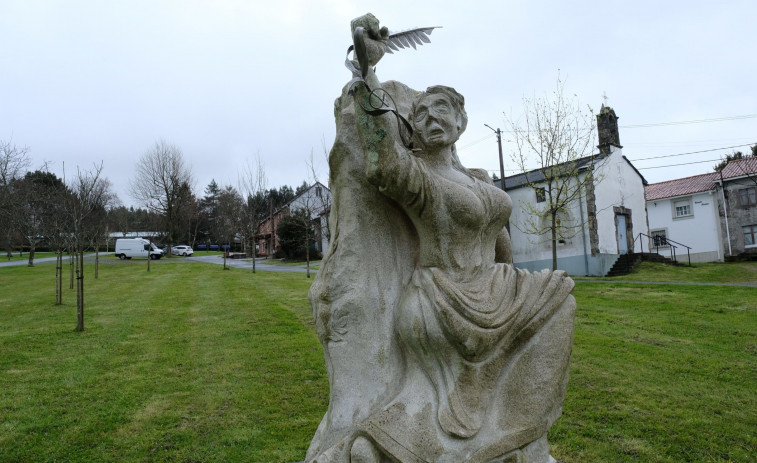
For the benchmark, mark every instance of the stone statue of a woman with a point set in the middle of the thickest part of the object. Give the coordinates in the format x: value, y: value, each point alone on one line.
x: 437, y: 348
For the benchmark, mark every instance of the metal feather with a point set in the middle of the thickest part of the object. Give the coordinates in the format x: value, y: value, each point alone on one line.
x: 408, y: 38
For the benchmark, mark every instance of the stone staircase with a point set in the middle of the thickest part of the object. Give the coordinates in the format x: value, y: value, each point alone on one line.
x: 626, y: 262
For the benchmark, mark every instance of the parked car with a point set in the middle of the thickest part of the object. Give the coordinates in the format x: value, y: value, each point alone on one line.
x: 182, y: 250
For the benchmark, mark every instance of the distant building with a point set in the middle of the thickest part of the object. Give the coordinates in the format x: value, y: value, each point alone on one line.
x: 609, y: 214
x: 316, y: 200
x: 154, y: 236
x: 715, y: 214
x: 738, y: 186
x: 684, y: 212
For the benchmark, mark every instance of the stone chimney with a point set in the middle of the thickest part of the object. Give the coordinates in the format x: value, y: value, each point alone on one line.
x: 607, y: 129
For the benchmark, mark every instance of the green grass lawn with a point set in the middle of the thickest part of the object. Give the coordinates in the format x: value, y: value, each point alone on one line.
x: 191, y: 363
x: 662, y: 373
x: 185, y: 363
x: 711, y: 272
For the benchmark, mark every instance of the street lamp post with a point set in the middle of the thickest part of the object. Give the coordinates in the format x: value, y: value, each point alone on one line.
x: 501, y: 161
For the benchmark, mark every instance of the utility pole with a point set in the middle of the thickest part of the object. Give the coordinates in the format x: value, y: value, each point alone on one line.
x: 501, y: 161
x: 271, y: 239
x: 501, y: 166
x: 725, y: 211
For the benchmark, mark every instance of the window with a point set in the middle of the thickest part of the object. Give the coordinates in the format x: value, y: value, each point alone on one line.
x: 318, y: 191
x: 659, y: 238
x: 750, y: 235
x: 682, y: 208
x: 747, y: 197
x: 541, y: 195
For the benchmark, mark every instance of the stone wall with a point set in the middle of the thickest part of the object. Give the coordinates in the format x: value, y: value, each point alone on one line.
x: 738, y: 216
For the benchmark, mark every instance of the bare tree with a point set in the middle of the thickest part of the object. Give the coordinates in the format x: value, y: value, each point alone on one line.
x: 14, y: 161
x: 253, y: 184
x: 557, y: 136
x: 90, y: 196
x: 162, y: 184
x: 57, y: 232
x: 322, y: 203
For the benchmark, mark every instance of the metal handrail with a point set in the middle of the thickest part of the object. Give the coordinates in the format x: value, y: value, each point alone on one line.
x: 665, y: 242
x: 657, y: 245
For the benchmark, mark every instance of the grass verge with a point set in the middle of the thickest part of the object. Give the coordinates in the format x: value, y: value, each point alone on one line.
x: 192, y: 363
x: 710, y: 272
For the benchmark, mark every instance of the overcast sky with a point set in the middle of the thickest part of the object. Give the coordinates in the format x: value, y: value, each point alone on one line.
x: 84, y: 81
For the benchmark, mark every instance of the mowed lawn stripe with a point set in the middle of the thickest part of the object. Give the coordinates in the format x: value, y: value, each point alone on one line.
x: 190, y: 362
x: 185, y: 362
x: 661, y: 374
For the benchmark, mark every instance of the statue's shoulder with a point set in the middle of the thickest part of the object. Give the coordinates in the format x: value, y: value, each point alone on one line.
x: 402, y: 95
x: 481, y: 174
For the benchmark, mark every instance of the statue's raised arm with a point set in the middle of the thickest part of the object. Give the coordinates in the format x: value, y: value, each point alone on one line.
x: 437, y: 348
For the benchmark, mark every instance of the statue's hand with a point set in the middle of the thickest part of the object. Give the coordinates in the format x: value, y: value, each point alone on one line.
x: 375, y: 37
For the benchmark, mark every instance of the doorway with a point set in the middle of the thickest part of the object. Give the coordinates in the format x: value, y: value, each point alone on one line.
x: 620, y: 225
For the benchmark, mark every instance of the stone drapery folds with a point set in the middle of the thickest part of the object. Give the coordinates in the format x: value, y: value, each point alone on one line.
x: 435, y: 351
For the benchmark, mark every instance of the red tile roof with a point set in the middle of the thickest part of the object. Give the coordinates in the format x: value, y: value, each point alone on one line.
x: 699, y: 183
x: 681, y: 186
x: 740, y: 168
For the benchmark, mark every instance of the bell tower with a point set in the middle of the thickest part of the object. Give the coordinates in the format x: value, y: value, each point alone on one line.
x: 607, y: 129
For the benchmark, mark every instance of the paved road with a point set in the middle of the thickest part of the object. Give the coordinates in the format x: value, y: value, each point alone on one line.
x: 214, y: 259
x: 26, y: 261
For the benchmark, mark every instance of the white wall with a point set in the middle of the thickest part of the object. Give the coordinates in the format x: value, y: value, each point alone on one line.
x: 530, y: 247
x: 312, y: 201
x: 617, y: 184
x: 316, y: 202
x: 700, y: 230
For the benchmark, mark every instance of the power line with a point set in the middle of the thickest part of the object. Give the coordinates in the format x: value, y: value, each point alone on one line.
x: 462, y: 148
x: 682, y: 164
x: 663, y: 124
x: 691, y: 152
x: 698, y: 121
x: 664, y: 156
x: 686, y: 142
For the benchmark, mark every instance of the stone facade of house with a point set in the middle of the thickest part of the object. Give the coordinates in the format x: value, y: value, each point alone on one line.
x: 737, y: 208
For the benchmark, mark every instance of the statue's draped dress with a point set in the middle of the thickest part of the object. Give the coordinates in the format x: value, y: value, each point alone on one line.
x: 475, y: 352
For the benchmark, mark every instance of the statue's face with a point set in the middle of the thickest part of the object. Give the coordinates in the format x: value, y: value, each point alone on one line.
x: 436, y: 122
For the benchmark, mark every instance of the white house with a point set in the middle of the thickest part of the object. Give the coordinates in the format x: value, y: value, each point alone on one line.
x: 683, y: 219
x: 607, y: 216
x: 714, y: 214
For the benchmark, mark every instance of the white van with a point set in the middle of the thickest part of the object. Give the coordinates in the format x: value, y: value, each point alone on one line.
x: 126, y: 248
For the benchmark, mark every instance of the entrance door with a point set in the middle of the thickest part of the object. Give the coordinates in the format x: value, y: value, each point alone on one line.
x: 620, y: 223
